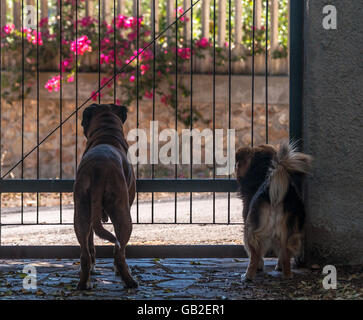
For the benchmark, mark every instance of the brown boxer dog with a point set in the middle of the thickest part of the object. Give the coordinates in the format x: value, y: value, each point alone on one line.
x: 104, y: 187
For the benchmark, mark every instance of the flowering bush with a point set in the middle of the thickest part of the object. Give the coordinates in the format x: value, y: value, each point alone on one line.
x: 117, y: 49
x: 120, y: 51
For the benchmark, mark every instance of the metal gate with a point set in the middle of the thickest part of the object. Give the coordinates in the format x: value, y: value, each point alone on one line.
x: 175, y: 35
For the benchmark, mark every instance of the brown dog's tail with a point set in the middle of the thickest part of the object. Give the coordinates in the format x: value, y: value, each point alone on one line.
x: 287, y: 161
x: 96, y: 214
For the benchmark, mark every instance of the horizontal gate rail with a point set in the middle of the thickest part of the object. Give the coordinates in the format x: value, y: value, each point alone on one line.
x: 143, y: 185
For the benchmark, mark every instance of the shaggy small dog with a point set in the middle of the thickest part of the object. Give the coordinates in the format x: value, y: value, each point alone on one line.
x: 273, y: 210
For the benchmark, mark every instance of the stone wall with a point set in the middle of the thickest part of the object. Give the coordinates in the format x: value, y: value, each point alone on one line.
x: 333, y: 131
x: 49, y: 114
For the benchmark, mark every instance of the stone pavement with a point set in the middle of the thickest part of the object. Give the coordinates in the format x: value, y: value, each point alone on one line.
x: 158, y: 279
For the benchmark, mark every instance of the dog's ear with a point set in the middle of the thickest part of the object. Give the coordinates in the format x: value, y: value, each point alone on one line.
x: 120, y: 111
x: 243, y: 160
x: 243, y: 154
x: 87, y: 116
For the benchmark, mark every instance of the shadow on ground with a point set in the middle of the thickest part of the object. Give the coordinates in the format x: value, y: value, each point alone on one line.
x: 174, y: 279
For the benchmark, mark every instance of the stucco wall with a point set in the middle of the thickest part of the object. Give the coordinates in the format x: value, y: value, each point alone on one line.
x: 333, y: 133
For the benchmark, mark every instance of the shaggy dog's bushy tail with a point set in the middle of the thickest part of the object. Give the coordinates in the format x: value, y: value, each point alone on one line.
x: 286, y: 162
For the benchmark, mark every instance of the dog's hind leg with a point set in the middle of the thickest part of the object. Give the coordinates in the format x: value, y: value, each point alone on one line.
x: 123, y: 227
x: 92, y: 251
x: 253, y: 264
x: 261, y: 265
x: 279, y: 262
x: 84, y: 277
x: 122, y: 267
x: 285, y: 257
x: 82, y: 228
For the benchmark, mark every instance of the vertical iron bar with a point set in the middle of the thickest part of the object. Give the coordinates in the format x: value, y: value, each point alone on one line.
x: 214, y: 106
x: 229, y: 96
x: 60, y: 106
x: 1, y: 73
x: 153, y: 111
x: 253, y: 68
x: 76, y: 155
x: 38, y: 167
x: 22, y: 106
x: 99, y: 51
x: 137, y: 101
x: 266, y: 72
x: 191, y: 107
x: 296, y: 70
x: 176, y: 102
x: 114, y: 52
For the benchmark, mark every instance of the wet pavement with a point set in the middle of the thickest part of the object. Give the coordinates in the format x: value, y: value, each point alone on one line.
x: 171, y: 279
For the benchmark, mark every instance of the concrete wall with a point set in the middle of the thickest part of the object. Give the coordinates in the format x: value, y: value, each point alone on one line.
x: 333, y: 133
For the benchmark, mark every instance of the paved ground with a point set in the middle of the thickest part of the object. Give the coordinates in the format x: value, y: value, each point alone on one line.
x: 198, y: 233
x: 174, y: 279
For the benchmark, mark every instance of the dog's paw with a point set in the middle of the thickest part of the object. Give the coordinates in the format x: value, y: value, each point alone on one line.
x: 93, y: 270
x: 246, y: 278
x: 117, y: 273
x: 288, y: 276
x: 84, y: 286
x: 278, y: 268
x: 261, y: 266
x: 132, y: 284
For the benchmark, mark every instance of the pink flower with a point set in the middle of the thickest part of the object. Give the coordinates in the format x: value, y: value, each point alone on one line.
x: 9, y: 28
x: 71, y: 78
x: 132, y: 36
x: 180, y: 12
x: 105, y: 42
x: 105, y: 80
x: 43, y: 22
x: 66, y: 64
x: 87, y: 21
x: 105, y: 58
x: 32, y: 36
x: 144, y: 68
x: 148, y: 94
x: 147, y: 55
x: 120, y: 21
x: 184, y: 53
x: 202, y: 43
x: 53, y: 84
x: 81, y: 45
x: 132, y: 79
x: 95, y: 95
